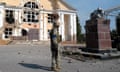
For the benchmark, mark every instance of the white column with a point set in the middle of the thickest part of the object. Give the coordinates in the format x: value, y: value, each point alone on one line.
x: 16, y: 14
x: 59, y: 21
x: 45, y: 32
x: 1, y: 16
x: 71, y: 26
x: 20, y: 16
x: 41, y: 25
x: 75, y: 26
x: 62, y: 27
x: 2, y: 20
x: 18, y: 21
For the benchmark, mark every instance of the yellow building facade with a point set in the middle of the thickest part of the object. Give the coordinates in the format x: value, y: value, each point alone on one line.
x: 31, y: 20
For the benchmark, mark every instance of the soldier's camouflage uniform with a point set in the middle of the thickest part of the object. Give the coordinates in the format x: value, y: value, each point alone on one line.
x: 54, y: 49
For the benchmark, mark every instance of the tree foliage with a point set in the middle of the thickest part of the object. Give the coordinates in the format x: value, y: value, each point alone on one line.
x: 80, y: 36
x: 113, y: 34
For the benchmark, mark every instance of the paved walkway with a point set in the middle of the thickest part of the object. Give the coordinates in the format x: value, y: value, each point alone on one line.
x: 35, y: 58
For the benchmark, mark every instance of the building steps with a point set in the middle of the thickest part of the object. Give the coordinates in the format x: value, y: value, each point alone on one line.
x: 68, y: 42
x: 24, y: 42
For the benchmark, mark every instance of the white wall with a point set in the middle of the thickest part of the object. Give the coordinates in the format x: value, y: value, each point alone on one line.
x: 20, y: 16
x: 62, y: 26
x: 17, y: 32
x: 1, y: 16
x: 41, y: 26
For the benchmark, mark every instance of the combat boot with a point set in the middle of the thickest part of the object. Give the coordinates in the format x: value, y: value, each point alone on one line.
x: 58, y: 67
x: 53, y: 68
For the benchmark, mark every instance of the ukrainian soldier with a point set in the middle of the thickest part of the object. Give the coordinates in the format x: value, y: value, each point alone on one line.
x: 54, y: 45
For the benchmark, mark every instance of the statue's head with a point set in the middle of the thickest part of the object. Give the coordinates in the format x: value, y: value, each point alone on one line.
x: 99, y: 13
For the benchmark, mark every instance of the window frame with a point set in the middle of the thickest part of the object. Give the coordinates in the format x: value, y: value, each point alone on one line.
x: 8, y: 32
x: 50, y: 19
x: 31, y: 15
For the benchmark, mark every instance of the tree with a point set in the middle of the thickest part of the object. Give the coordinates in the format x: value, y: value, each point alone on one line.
x: 80, y: 36
x: 113, y: 34
x: 115, y: 39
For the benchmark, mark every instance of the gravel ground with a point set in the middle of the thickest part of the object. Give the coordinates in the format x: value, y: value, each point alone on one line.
x: 37, y: 58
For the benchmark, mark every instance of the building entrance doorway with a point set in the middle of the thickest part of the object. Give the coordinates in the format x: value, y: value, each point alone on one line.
x: 33, y: 34
x: 24, y: 32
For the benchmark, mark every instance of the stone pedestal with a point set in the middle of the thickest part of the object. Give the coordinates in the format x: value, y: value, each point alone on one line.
x: 98, y: 38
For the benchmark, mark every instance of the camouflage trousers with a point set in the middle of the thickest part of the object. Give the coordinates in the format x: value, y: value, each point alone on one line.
x: 55, y: 58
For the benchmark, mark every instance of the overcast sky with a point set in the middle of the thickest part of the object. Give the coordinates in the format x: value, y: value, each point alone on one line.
x: 85, y: 7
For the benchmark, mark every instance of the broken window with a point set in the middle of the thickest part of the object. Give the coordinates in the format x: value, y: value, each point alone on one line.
x: 8, y: 32
x: 24, y: 32
x: 31, y: 5
x: 30, y: 15
x: 9, y: 17
x: 50, y: 18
